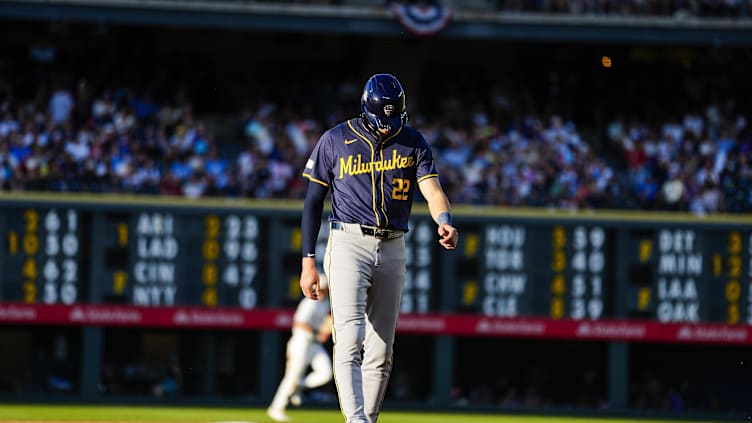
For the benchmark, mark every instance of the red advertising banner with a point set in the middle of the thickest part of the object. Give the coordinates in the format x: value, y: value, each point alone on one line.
x: 423, y: 324
x: 133, y: 316
x: 596, y: 330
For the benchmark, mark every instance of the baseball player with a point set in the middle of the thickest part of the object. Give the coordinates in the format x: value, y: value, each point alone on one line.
x: 310, y: 328
x: 373, y: 165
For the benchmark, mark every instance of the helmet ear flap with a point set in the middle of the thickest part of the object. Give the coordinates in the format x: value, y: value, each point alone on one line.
x: 370, y: 120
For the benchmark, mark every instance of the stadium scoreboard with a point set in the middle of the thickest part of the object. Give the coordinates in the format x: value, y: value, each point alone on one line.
x: 558, y: 271
x: 687, y: 274
x: 238, y: 257
x: 157, y: 258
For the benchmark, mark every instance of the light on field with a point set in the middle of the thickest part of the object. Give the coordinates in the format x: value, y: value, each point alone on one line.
x: 606, y: 61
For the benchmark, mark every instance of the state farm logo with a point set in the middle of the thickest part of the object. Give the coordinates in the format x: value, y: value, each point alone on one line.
x: 181, y: 318
x: 510, y: 327
x: 422, y: 324
x: 16, y: 313
x: 684, y: 333
x: 210, y: 318
x: 283, y: 320
x: 712, y: 333
x: 77, y: 315
x: 611, y: 330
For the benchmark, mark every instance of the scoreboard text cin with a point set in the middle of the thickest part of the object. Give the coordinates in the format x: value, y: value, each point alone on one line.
x: 157, y: 251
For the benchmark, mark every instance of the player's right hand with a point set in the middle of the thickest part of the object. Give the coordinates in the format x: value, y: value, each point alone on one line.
x: 448, y: 236
x: 309, y: 279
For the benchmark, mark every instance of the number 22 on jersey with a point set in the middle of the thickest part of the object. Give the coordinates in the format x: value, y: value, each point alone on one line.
x: 400, y: 188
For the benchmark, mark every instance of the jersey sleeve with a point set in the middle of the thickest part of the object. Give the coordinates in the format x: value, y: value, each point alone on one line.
x: 426, y: 167
x: 318, y: 168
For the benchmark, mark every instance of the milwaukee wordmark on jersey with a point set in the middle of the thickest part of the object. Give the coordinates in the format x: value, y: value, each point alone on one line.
x: 374, y: 181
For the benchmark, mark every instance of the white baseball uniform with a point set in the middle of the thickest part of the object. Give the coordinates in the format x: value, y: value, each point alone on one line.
x: 303, y: 349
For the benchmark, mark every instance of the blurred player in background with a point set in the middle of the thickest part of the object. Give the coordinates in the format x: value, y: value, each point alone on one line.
x: 311, y: 327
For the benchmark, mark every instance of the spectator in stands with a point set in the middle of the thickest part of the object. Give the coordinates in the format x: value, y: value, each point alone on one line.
x: 60, y: 105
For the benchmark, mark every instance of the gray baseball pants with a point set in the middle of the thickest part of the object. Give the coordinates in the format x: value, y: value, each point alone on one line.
x: 366, y: 278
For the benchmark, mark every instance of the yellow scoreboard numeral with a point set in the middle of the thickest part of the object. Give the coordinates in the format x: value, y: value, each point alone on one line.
x: 557, y: 308
x: 29, y: 269
x: 210, y: 250
x: 293, y: 290
x: 733, y: 291
x: 717, y: 264
x: 212, y: 226
x: 471, y: 245
x: 29, y: 292
x: 469, y: 292
x: 558, y: 285
x: 31, y: 217
x: 733, y: 315
x: 296, y: 239
x: 559, y: 237
x: 734, y: 266
x: 643, y: 298
x: 735, y: 243
x: 119, y: 281
x: 13, y: 242
x: 209, y: 274
x: 559, y: 262
x: 30, y: 244
x: 122, y: 234
x: 646, y: 250
x: 209, y: 297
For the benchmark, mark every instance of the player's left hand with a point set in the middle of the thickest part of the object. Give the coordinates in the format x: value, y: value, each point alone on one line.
x: 309, y: 279
x: 449, y: 236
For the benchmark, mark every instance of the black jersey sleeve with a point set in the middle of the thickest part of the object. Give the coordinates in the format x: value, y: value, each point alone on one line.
x: 311, y: 220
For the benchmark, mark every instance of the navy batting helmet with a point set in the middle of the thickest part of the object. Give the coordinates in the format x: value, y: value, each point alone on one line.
x: 383, y: 103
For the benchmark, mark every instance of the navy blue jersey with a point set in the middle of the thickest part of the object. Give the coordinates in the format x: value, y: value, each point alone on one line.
x: 372, y: 183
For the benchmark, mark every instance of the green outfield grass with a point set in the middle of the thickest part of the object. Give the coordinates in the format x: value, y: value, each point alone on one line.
x: 255, y: 415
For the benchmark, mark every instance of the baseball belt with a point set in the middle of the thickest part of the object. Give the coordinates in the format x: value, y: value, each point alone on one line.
x: 379, y: 233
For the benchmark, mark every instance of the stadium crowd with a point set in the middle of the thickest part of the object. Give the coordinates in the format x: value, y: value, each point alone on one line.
x: 700, y: 163
x: 120, y: 140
